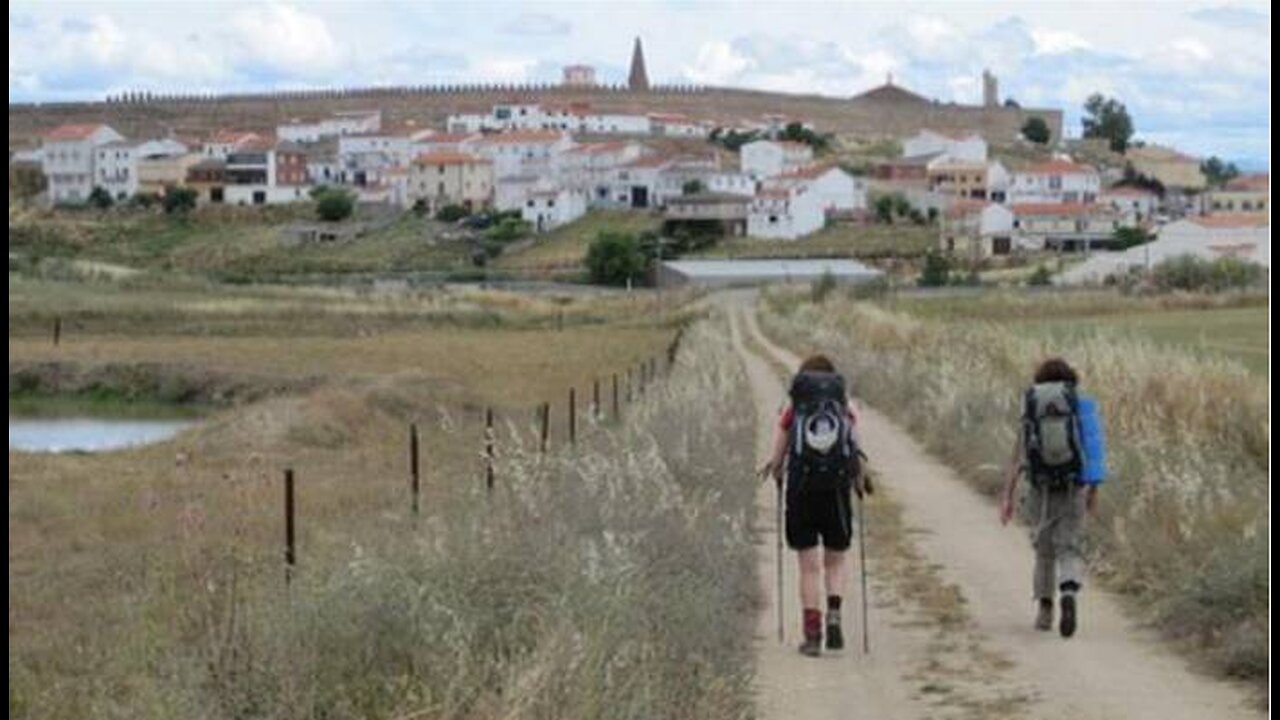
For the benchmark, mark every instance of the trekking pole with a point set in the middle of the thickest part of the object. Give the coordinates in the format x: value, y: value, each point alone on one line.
x: 862, y: 562
x: 778, y: 536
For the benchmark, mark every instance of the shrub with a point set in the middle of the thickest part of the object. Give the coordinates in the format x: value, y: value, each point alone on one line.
x: 335, y: 204
x: 1036, y: 130
x: 1190, y: 273
x: 1040, y: 277
x: 452, y: 213
x: 822, y: 287
x: 179, y: 200
x: 937, y: 270
x: 100, y: 198
x: 615, y: 259
x: 508, y: 230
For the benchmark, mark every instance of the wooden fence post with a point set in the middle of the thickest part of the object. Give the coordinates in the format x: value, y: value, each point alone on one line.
x: 595, y: 399
x: 488, y: 449
x: 413, y: 465
x: 617, y: 415
x: 290, y: 538
x: 573, y: 417
x: 544, y: 421
x: 57, y: 330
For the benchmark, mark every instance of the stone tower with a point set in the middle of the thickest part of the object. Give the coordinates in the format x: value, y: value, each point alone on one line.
x: 990, y: 89
x: 638, y: 79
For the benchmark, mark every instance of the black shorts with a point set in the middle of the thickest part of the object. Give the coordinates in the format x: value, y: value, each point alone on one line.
x: 825, y: 515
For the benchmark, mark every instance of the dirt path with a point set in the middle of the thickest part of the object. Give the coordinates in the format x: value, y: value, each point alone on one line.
x: 951, y: 610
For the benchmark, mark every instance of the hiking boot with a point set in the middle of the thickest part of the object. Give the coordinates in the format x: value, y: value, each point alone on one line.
x: 835, y: 636
x: 812, y: 646
x: 1067, y: 625
x: 1044, y: 617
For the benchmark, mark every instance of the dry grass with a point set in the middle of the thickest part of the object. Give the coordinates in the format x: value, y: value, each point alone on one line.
x: 615, y: 579
x: 844, y: 239
x: 565, y: 248
x: 1183, y: 523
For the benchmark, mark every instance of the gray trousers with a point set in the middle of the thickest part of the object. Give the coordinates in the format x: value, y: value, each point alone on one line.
x: 1056, y: 519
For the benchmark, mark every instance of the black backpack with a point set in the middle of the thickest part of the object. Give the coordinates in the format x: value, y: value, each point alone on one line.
x: 823, y: 454
x: 1051, y: 435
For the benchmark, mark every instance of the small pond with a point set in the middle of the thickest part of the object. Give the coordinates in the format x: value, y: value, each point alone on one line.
x: 89, y: 434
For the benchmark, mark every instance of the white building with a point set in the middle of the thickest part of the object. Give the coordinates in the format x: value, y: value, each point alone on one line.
x: 351, y: 122
x: 252, y: 177
x: 225, y: 142
x: 68, y: 160
x: 677, y: 125
x: 573, y: 118
x: 521, y: 152
x: 767, y: 158
x: 1055, y: 181
x: 115, y: 169
x: 551, y: 208
x: 592, y: 167
x: 835, y: 190
x: 1134, y: 204
x: 787, y: 212
x: 960, y: 146
x: 1247, y: 237
x: 975, y: 228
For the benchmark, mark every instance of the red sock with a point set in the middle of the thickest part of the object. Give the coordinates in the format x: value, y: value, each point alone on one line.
x: 812, y: 622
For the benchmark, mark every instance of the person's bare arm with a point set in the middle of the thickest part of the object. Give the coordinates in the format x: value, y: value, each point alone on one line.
x: 777, y: 454
x: 1013, y: 471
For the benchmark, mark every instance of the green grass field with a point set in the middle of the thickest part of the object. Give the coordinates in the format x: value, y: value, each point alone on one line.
x: 1236, y: 327
x: 1241, y: 334
x: 839, y: 240
x: 237, y: 244
x: 566, y: 246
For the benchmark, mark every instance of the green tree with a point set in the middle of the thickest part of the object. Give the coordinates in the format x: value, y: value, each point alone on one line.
x: 335, y: 204
x: 179, y: 200
x: 615, y: 258
x: 937, y: 270
x: 1036, y: 130
x: 1040, y: 277
x: 1217, y: 172
x: 508, y: 230
x: 100, y: 198
x: 884, y: 209
x: 1127, y: 237
x: 901, y: 206
x: 451, y: 213
x: 1108, y: 119
x: 692, y: 187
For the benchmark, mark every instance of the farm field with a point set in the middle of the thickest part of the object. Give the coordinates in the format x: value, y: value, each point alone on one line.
x: 169, y: 554
x: 838, y: 240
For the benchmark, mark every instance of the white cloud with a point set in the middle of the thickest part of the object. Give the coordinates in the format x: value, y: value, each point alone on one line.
x: 1053, y: 42
x: 499, y: 69
x: 1192, y: 49
x: 717, y: 63
x: 285, y: 38
x: 537, y: 24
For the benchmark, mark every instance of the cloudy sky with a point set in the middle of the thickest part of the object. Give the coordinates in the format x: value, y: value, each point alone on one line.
x: 1193, y: 74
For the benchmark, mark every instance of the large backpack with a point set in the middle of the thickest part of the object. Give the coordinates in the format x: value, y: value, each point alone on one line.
x: 823, y: 455
x: 1051, y: 435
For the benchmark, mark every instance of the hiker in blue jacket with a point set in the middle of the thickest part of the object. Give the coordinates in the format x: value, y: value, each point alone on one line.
x: 1060, y: 448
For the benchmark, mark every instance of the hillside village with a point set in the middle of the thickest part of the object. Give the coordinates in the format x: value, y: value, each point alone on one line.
x: 772, y: 177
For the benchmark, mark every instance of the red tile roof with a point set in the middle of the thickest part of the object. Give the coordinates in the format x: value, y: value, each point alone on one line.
x: 445, y: 137
x: 649, y: 161
x: 954, y: 134
x: 1230, y: 221
x: 1058, y: 167
x: 1257, y: 182
x: 809, y: 172
x: 966, y: 207
x: 1057, y: 209
x: 444, y: 157
x: 81, y: 131
x: 523, y: 136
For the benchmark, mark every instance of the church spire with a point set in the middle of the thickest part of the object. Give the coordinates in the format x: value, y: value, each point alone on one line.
x: 638, y: 79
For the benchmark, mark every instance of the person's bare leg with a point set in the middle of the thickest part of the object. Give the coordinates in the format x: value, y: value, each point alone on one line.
x: 811, y: 599
x: 833, y: 564
x: 810, y: 578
